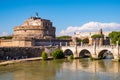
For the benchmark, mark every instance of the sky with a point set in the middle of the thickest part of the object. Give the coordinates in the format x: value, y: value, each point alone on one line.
x: 68, y: 16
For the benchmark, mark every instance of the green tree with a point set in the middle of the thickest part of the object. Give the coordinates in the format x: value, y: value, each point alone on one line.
x: 86, y: 40
x: 58, y: 54
x: 115, y: 36
x: 6, y: 37
x: 97, y: 36
x: 64, y: 37
x: 79, y: 40
x: 44, y: 55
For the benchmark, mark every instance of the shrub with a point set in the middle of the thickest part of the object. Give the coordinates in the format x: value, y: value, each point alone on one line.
x: 44, y: 55
x: 71, y: 57
x: 91, y: 58
x: 58, y: 54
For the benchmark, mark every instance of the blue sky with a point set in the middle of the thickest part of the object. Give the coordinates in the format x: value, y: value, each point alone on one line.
x: 63, y: 13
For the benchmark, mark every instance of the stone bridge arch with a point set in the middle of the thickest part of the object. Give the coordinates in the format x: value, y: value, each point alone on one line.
x: 68, y: 52
x: 104, y: 53
x: 84, y: 53
x: 72, y: 49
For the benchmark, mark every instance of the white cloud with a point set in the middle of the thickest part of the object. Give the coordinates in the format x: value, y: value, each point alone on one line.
x: 91, y: 27
x: 4, y: 34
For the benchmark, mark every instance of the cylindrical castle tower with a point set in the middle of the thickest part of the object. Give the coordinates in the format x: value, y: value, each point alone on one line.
x: 36, y: 28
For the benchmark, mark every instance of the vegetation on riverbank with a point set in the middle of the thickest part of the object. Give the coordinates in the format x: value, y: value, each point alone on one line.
x: 44, y: 55
x: 58, y: 54
x: 71, y: 57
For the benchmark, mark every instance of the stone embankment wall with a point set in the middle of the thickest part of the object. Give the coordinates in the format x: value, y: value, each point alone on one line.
x: 9, y: 53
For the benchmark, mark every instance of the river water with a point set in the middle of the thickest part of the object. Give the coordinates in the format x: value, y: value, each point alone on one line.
x: 79, y: 69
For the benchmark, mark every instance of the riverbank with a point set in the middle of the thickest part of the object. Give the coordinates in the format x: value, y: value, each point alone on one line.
x: 20, y: 60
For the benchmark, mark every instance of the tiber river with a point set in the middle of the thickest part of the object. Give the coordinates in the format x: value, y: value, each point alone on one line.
x: 79, y: 69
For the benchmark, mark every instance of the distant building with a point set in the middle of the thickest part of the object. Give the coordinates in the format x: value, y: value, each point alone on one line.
x: 105, y: 40
x: 83, y: 35
x: 99, y: 41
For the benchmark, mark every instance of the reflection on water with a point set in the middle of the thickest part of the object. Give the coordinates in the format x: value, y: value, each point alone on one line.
x: 80, y: 69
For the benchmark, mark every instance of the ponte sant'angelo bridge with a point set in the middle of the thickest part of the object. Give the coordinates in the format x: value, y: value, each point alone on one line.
x: 96, y: 52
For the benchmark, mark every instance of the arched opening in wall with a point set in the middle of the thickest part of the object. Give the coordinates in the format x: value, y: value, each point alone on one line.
x: 105, y: 54
x: 84, y: 53
x: 68, y: 52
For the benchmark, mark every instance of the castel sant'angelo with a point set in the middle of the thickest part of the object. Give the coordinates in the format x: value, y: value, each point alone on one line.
x: 35, y: 31
x: 34, y: 27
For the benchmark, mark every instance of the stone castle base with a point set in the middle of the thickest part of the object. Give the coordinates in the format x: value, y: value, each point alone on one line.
x: 11, y: 43
x: 32, y: 42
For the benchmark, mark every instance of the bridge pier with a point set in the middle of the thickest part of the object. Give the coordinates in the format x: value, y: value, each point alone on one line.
x: 94, y: 56
x: 76, y: 52
x: 116, y: 56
